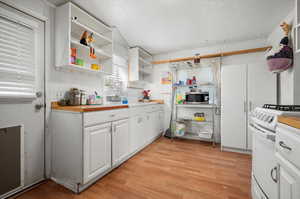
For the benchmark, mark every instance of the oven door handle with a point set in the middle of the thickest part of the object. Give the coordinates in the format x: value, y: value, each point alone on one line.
x: 283, y: 145
x: 255, y: 128
x: 272, y: 174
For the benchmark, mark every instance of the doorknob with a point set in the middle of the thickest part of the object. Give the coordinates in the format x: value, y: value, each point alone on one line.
x: 39, y: 107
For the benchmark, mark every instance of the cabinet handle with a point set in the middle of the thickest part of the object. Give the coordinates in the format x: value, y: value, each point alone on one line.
x: 283, y: 145
x: 245, y: 106
x: 272, y: 176
x: 250, y: 106
x: 112, y: 115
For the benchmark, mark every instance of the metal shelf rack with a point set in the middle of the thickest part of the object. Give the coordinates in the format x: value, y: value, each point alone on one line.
x: 211, y: 108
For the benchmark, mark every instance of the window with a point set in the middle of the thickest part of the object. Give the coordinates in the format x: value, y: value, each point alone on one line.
x: 17, y: 61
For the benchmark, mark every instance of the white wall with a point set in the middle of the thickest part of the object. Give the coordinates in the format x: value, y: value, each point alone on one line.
x: 57, y: 82
x: 289, y: 78
x: 164, y: 91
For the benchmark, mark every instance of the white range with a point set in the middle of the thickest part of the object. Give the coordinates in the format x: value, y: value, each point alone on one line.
x: 263, y: 123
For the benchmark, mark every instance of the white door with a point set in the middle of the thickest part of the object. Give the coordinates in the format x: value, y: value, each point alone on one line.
x: 233, y: 106
x: 261, y: 90
x: 120, y: 141
x: 289, y: 181
x: 21, y: 77
x: 97, y: 150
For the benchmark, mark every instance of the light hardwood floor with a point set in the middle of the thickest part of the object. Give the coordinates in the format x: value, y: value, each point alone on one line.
x: 167, y: 169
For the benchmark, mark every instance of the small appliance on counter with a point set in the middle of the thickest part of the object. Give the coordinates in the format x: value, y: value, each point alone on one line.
x: 196, y: 97
x: 73, y: 97
x: 77, y: 97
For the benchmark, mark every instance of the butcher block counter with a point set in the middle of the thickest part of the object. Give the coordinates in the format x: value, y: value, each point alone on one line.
x: 87, y: 108
x: 290, y: 121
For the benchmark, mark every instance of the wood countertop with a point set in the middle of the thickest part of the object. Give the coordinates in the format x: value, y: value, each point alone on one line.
x: 290, y: 121
x: 87, y: 108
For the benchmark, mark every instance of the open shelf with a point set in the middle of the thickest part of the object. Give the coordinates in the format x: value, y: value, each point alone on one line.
x: 74, y: 67
x: 193, y: 136
x: 192, y: 120
x: 209, y: 106
x: 72, y: 23
x: 78, y: 28
x: 101, y: 54
x: 208, y: 84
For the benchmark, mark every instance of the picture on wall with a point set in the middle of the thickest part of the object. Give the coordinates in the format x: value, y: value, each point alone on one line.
x: 166, y: 78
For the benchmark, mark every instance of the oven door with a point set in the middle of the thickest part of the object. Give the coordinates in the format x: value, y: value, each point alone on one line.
x: 263, y: 163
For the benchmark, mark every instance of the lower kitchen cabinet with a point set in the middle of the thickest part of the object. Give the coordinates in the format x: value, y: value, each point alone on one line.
x: 88, y: 145
x: 120, y: 141
x: 288, y: 161
x: 137, y: 126
x: 97, y: 150
x: 146, y: 124
x: 289, y: 180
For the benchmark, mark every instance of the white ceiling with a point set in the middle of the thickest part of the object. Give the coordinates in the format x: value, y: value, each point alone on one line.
x: 161, y: 26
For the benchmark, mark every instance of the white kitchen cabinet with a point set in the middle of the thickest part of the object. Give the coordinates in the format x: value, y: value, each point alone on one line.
x: 137, y: 127
x: 70, y: 23
x: 145, y: 125
x: 161, y: 120
x: 140, y: 66
x: 288, y: 179
x: 97, y: 150
x: 253, y: 86
x: 120, y: 141
x: 88, y: 145
x: 82, y: 145
x: 287, y: 156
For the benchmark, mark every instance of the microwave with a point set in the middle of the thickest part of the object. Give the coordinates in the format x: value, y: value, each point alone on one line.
x: 197, y: 97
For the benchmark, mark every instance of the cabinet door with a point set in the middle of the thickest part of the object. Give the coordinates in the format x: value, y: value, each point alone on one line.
x: 233, y: 106
x: 161, y: 121
x: 120, y: 140
x: 134, y: 133
x: 148, y: 128
x: 289, y: 182
x: 261, y: 90
x: 97, y: 150
x: 133, y: 64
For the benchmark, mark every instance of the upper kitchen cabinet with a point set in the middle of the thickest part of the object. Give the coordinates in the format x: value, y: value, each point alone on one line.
x: 82, y: 42
x: 140, y: 65
x: 297, y: 29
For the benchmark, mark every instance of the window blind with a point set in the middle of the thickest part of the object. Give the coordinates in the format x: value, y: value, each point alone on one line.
x: 17, y: 61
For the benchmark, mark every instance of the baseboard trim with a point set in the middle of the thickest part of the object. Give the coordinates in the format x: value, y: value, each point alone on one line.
x: 25, y: 189
x: 236, y: 150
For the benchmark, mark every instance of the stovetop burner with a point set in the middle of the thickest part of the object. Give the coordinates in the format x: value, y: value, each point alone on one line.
x: 292, y: 108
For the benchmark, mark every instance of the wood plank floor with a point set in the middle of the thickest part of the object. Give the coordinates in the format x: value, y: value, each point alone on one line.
x: 167, y: 169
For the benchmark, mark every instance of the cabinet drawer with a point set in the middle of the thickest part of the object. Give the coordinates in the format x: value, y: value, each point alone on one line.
x: 154, y: 108
x: 288, y: 142
x: 92, y: 118
x: 146, y: 109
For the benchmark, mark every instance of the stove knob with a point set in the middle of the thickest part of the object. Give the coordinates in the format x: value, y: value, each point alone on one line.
x: 271, y: 119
